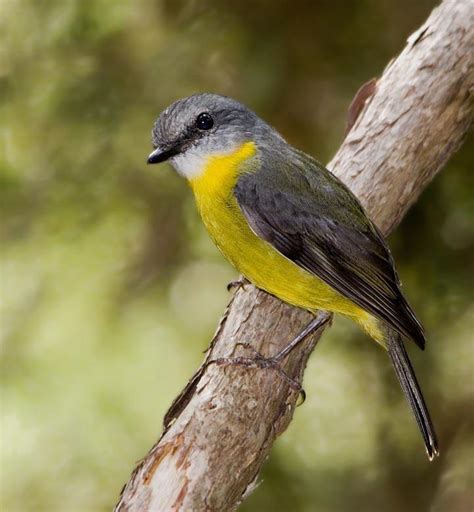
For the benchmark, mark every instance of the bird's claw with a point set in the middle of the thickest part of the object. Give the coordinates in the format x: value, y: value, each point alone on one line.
x: 236, y: 284
x: 262, y: 362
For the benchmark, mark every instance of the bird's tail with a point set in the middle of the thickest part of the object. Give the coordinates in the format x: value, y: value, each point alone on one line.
x: 409, y: 384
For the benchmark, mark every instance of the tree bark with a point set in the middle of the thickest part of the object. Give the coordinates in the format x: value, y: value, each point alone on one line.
x: 219, y: 431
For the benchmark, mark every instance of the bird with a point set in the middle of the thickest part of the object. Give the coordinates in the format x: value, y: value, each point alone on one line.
x: 290, y: 227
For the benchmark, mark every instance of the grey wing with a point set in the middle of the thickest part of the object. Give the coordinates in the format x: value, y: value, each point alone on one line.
x: 310, y: 217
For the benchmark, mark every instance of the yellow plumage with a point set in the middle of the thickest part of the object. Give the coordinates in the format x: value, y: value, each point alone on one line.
x: 255, y: 258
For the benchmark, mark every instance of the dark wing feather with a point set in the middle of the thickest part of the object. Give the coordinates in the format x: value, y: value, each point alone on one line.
x: 310, y: 217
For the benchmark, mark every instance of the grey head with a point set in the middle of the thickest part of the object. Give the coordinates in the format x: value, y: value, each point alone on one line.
x: 194, y: 128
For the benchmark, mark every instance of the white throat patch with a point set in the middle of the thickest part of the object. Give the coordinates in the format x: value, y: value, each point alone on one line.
x: 191, y: 163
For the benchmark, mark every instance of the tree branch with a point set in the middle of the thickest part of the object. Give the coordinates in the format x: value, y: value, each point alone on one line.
x: 219, y: 431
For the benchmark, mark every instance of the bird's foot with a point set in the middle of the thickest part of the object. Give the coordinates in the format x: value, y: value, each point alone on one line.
x: 262, y: 362
x: 235, y: 285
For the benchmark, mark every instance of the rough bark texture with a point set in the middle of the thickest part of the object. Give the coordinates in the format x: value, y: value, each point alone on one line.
x: 219, y: 431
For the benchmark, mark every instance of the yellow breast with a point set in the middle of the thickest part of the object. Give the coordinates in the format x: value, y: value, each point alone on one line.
x: 256, y: 259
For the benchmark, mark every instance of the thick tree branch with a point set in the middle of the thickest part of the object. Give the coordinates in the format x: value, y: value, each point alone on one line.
x: 219, y: 432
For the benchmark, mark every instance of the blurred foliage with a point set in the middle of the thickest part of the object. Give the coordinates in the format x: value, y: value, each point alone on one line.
x: 111, y: 289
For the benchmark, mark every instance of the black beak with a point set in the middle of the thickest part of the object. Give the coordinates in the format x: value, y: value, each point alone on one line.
x: 161, y: 155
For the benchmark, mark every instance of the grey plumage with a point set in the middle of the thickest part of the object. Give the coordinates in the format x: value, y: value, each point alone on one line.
x: 312, y: 218
x: 233, y: 123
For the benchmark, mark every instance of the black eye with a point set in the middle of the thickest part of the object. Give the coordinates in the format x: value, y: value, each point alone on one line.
x: 204, y: 121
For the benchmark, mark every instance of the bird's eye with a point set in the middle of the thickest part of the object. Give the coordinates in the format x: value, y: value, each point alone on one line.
x: 204, y: 121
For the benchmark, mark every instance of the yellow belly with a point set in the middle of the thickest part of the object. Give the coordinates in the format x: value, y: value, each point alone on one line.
x: 256, y: 259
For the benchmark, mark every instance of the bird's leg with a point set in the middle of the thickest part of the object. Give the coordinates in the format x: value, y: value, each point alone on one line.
x: 236, y: 284
x: 274, y: 362
x: 318, y: 321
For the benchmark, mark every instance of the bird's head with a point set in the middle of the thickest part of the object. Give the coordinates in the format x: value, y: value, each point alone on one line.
x: 198, y: 127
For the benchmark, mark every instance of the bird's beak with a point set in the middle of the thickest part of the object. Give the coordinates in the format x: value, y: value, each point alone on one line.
x: 161, y: 155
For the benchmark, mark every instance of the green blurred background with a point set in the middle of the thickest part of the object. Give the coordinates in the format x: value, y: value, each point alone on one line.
x: 111, y: 289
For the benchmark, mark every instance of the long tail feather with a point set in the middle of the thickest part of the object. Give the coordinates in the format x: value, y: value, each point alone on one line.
x: 409, y: 384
